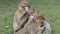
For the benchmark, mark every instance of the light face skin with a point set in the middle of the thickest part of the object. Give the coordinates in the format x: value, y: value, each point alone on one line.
x: 26, y: 8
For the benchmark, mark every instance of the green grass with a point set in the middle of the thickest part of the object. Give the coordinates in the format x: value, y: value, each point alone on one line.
x: 50, y: 9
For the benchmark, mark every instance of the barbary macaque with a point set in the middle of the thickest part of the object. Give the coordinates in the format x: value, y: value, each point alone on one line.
x: 21, y: 15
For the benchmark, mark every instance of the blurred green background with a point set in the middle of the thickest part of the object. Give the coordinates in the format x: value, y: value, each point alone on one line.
x: 50, y: 9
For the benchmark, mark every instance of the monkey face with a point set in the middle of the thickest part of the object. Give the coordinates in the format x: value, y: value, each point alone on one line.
x: 37, y: 19
x: 25, y: 4
x: 23, y: 9
x: 26, y: 8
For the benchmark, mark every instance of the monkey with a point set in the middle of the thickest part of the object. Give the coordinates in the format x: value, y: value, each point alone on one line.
x: 47, y: 29
x: 21, y: 16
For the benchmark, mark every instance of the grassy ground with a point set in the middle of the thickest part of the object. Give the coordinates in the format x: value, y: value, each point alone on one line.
x: 50, y: 9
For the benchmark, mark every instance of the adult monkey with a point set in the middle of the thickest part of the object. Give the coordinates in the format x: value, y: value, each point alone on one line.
x: 21, y: 16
